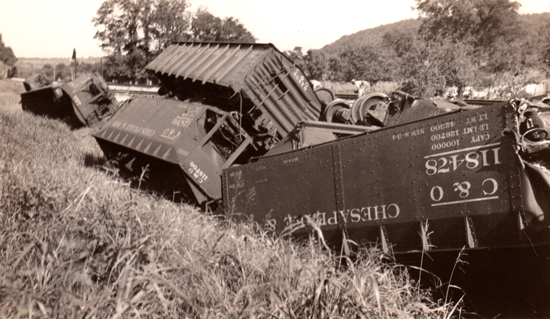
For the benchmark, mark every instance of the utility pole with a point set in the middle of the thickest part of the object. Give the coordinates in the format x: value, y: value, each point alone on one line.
x: 73, y: 73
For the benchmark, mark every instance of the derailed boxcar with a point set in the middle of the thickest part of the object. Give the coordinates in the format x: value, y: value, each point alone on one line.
x: 86, y: 100
x: 42, y: 97
x: 463, y: 179
x: 256, y: 81
x: 197, y: 139
x: 234, y: 101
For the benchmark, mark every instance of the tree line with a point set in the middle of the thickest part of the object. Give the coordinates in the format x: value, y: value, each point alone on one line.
x: 453, y: 43
x: 62, y: 71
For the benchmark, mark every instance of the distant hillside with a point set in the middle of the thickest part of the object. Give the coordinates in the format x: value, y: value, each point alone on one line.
x: 530, y: 24
x: 373, y: 35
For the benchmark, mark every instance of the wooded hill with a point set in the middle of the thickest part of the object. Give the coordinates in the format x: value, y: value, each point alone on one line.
x: 529, y: 24
x: 427, y: 55
x: 373, y: 36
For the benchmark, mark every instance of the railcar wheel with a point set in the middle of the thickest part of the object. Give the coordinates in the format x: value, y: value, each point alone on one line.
x: 371, y: 106
x: 338, y: 111
x: 325, y: 95
x: 536, y: 134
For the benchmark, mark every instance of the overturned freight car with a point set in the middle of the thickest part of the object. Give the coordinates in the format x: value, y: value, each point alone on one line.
x: 475, y: 177
x: 226, y: 103
x: 85, y: 101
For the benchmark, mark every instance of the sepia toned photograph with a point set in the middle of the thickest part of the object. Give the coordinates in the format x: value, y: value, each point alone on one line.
x: 275, y: 159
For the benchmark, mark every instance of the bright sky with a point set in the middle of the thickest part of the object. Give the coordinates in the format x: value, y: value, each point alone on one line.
x: 52, y: 28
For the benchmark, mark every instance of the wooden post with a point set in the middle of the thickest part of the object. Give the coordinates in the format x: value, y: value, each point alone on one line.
x: 73, y: 74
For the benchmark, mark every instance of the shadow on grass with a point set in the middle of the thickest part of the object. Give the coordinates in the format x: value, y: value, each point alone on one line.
x: 504, y: 283
x: 147, y: 174
x: 91, y: 160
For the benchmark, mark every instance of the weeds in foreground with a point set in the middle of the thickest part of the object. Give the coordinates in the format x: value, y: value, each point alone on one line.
x: 75, y: 242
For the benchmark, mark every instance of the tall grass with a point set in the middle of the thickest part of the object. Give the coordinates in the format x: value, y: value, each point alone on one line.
x: 78, y: 242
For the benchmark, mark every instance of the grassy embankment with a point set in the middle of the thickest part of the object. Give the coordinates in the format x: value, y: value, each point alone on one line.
x: 77, y: 242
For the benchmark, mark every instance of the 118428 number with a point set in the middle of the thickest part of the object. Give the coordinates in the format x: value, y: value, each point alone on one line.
x: 470, y: 160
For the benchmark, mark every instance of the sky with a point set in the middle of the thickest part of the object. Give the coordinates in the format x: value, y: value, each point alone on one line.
x: 52, y: 28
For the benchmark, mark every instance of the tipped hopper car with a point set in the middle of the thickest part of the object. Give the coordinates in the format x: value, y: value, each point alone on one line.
x: 242, y: 126
x: 234, y: 102
x: 85, y: 101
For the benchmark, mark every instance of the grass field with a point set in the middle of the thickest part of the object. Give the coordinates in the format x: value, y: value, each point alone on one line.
x: 77, y: 242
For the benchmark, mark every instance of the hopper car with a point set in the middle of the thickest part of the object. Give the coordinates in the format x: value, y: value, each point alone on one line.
x: 227, y: 103
x: 241, y: 126
x: 84, y: 101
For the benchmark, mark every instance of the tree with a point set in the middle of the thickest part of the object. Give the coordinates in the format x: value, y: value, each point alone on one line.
x: 168, y: 23
x: 400, y: 41
x: 207, y: 27
x: 297, y: 57
x: 119, y: 22
x: 430, y: 67
x: 6, y: 54
x: 133, y: 32
x: 116, y: 69
x: 89, y: 68
x: 234, y: 31
x: 334, y: 67
x: 367, y: 62
x: 47, y: 71
x: 125, y: 26
x: 316, y: 65
x: 62, y: 72
x: 480, y: 21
